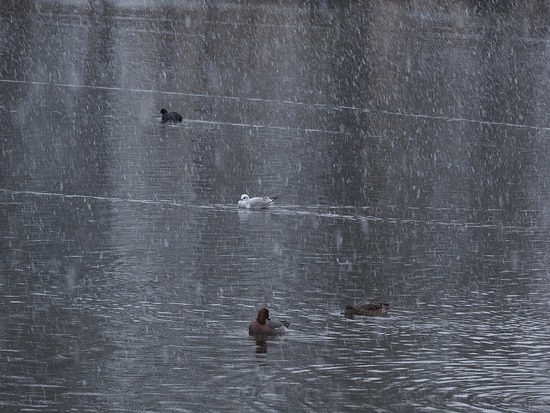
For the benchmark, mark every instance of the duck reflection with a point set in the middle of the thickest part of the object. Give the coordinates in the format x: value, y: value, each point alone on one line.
x: 261, y: 343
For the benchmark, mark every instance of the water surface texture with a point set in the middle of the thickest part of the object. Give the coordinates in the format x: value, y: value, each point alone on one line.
x: 408, y: 143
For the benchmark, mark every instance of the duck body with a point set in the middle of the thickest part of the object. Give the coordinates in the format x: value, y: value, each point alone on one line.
x: 170, y: 116
x: 367, y: 309
x: 259, y: 202
x: 262, y: 325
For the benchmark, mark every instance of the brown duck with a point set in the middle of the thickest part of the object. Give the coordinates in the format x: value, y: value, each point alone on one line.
x: 367, y: 309
x: 263, y: 325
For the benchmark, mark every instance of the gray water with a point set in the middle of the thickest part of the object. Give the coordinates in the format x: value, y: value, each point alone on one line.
x: 408, y: 142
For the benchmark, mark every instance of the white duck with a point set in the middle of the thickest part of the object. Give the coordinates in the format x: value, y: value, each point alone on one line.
x: 256, y: 202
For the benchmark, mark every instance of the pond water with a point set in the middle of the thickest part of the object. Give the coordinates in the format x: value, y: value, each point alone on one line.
x: 408, y: 144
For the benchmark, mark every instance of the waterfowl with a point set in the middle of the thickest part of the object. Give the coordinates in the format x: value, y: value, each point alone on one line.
x: 256, y: 202
x: 262, y: 325
x: 170, y: 116
x: 368, y: 309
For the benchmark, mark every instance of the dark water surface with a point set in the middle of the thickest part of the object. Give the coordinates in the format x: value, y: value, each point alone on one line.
x: 409, y: 144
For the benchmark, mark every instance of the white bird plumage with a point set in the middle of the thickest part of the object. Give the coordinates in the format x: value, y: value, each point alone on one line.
x: 256, y: 202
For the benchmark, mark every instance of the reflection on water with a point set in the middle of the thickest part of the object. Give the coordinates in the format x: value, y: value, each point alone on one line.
x: 408, y: 144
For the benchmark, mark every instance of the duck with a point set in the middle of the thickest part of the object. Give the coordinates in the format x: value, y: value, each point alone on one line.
x: 367, y: 309
x: 256, y: 202
x: 262, y: 325
x: 170, y: 116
